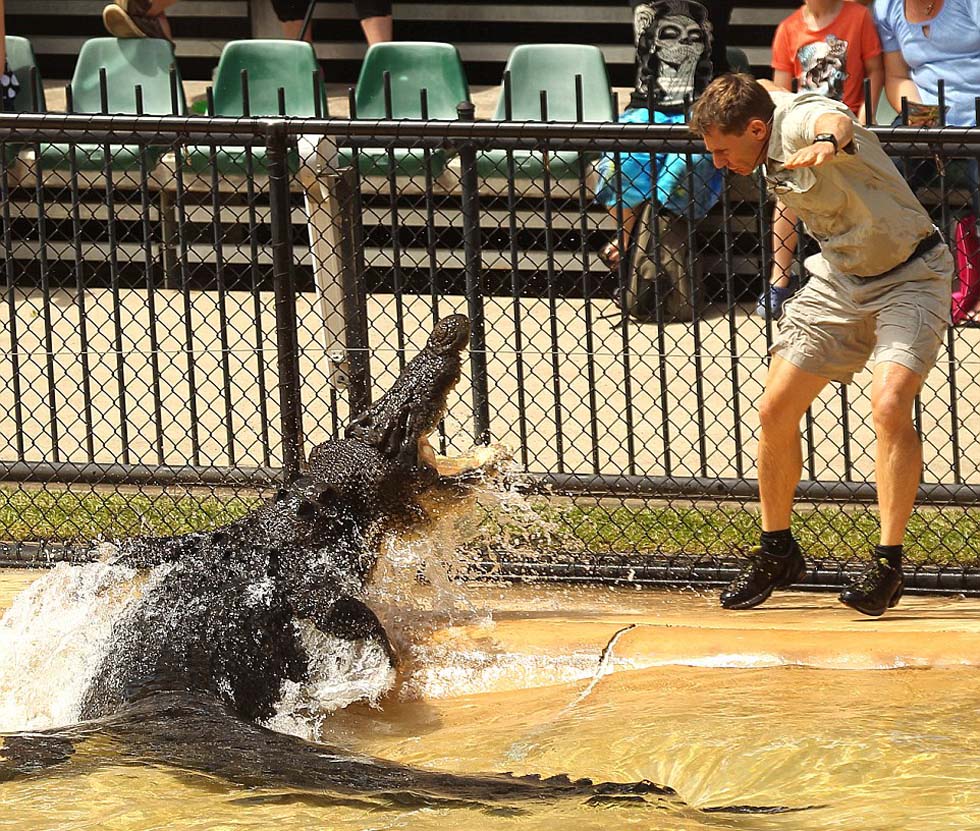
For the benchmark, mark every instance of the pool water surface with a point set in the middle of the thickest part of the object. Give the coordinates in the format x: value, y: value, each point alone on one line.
x: 799, y: 703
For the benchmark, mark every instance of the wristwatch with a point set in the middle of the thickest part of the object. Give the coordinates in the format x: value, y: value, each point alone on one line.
x: 827, y: 137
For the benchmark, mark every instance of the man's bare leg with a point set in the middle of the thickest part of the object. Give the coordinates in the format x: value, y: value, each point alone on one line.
x: 778, y: 562
x: 898, y: 460
x: 789, y: 391
x: 898, y: 470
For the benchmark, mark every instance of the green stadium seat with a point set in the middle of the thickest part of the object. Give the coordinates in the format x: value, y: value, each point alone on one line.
x: 270, y: 65
x: 21, y: 60
x: 412, y: 67
x: 550, y: 67
x: 128, y: 63
x: 884, y: 113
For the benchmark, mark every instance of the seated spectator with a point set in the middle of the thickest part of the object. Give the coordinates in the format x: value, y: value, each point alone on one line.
x: 828, y: 47
x: 926, y: 41
x: 674, y: 47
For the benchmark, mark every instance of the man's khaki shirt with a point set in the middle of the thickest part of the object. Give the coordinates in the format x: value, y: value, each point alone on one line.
x: 856, y: 205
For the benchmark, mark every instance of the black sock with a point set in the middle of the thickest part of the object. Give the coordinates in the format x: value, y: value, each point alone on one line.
x: 891, y: 553
x: 777, y: 543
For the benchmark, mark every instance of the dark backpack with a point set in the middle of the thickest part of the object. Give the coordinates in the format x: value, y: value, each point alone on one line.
x: 659, y: 274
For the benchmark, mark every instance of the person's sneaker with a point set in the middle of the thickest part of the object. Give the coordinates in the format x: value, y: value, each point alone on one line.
x: 121, y: 21
x: 763, y: 573
x: 879, y: 588
x: 778, y: 295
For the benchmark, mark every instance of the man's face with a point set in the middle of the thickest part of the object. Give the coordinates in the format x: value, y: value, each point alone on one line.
x: 740, y: 153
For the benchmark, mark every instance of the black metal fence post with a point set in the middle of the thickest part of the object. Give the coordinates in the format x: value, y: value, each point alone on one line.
x: 287, y: 346
x: 470, y: 186
x: 355, y: 292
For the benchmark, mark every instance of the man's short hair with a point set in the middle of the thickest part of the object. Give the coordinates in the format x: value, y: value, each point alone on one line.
x: 729, y: 103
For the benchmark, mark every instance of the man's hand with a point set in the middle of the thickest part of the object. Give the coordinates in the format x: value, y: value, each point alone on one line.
x: 813, y: 155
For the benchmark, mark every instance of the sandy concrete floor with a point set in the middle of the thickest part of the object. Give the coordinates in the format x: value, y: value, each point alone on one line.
x: 662, y: 412
x: 686, y: 627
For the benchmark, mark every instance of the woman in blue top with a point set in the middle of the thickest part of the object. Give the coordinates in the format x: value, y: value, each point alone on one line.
x: 925, y: 41
x: 928, y: 40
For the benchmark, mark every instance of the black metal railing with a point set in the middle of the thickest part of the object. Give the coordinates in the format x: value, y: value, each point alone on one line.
x: 191, y: 310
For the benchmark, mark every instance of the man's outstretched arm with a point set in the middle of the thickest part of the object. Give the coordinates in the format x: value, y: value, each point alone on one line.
x: 822, y: 150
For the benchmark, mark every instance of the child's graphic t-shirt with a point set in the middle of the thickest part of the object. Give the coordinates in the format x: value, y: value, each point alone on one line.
x: 829, y: 61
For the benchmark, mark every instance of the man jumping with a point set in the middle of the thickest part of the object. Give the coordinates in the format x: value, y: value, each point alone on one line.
x: 879, y: 286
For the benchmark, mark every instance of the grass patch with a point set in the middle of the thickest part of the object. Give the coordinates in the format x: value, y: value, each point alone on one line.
x: 35, y: 515
x: 834, y: 533
x: 936, y: 536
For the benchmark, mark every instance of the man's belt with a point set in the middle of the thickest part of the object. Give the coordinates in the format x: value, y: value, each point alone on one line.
x: 926, y: 244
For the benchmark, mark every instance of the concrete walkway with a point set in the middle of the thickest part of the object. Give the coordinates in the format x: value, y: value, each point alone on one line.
x: 666, y: 416
x: 792, y: 628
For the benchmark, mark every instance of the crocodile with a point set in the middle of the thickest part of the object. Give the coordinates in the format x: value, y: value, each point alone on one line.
x: 198, y: 660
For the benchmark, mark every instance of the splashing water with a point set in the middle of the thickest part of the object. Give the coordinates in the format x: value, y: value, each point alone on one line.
x: 52, y: 639
x: 56, y: 634
x: 416, y: 581
x: 340, y: 673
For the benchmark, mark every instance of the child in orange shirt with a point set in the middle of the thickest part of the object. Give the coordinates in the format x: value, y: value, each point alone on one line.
x: 828, y: 47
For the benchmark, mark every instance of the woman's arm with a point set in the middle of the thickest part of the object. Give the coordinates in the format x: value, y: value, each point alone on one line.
x: 875, y: 70
x: 782, y: 79
x: 898, y: 81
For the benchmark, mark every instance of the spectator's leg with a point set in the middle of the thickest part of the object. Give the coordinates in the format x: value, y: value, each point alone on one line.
x: 138, y: 19
x: 610, y: 254
x: 376, y: 22
x: 377, y: 29
x: 154, y: 9
x: 165, y: 25
x: 784, y: 240
x: 292, y: 28
x: 781, y: 286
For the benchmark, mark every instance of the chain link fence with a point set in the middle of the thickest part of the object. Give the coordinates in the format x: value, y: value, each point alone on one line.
x: 192, y: 303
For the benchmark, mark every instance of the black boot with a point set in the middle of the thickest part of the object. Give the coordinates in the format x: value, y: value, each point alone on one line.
x: 877, y: 589
x: 763, y: 573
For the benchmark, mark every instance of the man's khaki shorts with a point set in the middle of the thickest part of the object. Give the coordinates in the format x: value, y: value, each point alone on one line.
x: 837, y: 321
